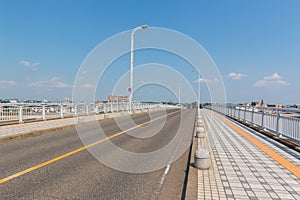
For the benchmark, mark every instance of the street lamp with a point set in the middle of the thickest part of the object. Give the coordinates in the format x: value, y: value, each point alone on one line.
x: 198, y: 88
x: 131, y: 64
x: 179, y: 94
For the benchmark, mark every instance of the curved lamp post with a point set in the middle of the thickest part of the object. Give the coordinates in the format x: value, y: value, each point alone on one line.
x: 131, y: 64
x: 198, y: 88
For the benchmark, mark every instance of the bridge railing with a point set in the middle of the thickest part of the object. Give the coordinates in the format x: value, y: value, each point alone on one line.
x: 22, y: 112
x: 273, y: 119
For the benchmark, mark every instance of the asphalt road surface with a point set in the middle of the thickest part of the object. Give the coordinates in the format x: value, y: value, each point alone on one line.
x: 56, y: 165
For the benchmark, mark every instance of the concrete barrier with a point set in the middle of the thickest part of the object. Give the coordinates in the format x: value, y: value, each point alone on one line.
x: 200, y: 124
x: 202, y: 159
x: 200, y: 132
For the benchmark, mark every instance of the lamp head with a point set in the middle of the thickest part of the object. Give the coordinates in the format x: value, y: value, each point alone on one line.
x: 144, y: 26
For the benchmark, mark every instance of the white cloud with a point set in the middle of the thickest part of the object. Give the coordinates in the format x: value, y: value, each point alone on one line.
x: 5, y: 83
x: 54, y: 79
x: 59, y: 84
x: 29, y: 65
x: 281, y: 82
x: 236, y: 76
x: 37, y: 84
x: 53, y: 82
x: 274, y: 76
x: 203, y: 80
x: 273, y: 80
x: 260, y: 83
x: 88, y: 85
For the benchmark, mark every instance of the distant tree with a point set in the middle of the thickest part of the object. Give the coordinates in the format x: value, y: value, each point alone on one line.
x: 194, y: 105
x: 253, y: 103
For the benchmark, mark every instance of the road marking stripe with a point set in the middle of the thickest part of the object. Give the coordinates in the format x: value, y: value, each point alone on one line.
x: 275, y: 156
x: 79, y: 150
x: 161, y: 182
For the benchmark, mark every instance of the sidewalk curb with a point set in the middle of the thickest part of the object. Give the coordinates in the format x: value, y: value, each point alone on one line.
x: 33, y: 133
x: 192, y: 178
x: 192, y: 183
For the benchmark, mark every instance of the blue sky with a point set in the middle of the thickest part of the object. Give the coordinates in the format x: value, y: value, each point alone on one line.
x: 255, y: 44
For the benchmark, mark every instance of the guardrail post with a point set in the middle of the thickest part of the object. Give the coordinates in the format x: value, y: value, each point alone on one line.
x: 277, y: 124
x: 234, y: 112
x: 262, y: 119
x: 96, y: 109
x: 44, y: 112
x: 239, y: 113
x: 87, y: 109
x: 20, y: 114
x: 245, y: 114
x: 61, y: 111
x: 75, y: 110
x: 252, y: 117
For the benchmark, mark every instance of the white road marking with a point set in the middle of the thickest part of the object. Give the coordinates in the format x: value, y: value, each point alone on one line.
x: 162, y: 179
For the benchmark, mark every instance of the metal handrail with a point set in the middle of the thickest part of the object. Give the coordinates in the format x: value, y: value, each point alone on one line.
x: 265, y: 118
x: 43, y: 111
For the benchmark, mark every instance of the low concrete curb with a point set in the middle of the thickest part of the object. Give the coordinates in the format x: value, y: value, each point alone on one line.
x: 192, y: 183
x: 33, y: 133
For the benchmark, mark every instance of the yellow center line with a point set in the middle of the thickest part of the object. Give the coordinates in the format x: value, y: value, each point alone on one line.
x: 294, y: 169
x: 79, y: 150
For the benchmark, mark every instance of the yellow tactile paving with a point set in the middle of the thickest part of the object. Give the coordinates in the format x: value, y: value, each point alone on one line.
x: 278, y: 158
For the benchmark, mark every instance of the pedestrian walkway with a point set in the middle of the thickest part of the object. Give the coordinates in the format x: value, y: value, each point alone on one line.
x: 25, y: 129
x: 246, y: 164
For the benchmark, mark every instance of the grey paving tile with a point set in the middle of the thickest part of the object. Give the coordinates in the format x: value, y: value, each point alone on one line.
x: 249, y: 169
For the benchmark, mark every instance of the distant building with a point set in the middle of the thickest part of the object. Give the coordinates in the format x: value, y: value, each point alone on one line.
x: 274, y: 105
x: 120, y: 99
x: 66, y: 100
x: 297, y: 106
x: 257, y: 104
x: 262, y: 104
x: 254, y: 103
x: 246, y: 104
x: 33, y: 101
x: 13, y: 101
x: 98, y: 102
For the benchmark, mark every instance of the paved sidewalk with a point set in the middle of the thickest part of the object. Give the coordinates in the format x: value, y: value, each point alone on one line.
x: 209, y: 181
x: 242, y: 170
x: 26, y: 129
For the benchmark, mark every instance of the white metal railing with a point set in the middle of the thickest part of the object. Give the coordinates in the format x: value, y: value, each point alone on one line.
x: 272, y: 119
x: 21, y: 112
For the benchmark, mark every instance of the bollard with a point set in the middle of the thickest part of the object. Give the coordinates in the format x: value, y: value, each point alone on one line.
x: 200, y: 132
x: 202, y: 159
x: 200, y: 123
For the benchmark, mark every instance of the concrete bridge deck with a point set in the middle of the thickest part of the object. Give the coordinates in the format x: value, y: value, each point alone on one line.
x: 244, y: 163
